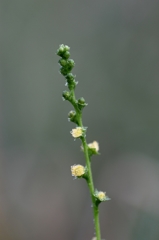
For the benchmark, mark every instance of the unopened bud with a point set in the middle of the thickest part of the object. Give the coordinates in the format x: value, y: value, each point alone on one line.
x: 72, y: 116
x: 61, y: 50
x: 63, y: 71
x: 67, y: 48
x: 66, y: 95
x: 66, y: 54
x: 71, y: 83
x: 70, y: 78
x: 71, y: 63
x: 81, y: 103
x: 62, y: 62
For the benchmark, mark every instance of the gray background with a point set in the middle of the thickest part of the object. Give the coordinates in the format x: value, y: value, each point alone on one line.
x: 115, y: 45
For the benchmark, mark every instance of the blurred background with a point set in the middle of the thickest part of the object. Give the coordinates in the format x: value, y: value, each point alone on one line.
x: 115, y: 45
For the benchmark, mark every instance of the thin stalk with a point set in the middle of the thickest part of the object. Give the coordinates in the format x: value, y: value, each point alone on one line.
x: 76, y: 117
x: 89, y: 173
x: 91, y: 188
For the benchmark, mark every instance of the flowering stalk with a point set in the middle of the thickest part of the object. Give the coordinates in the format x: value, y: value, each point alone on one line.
x: 79, y: 171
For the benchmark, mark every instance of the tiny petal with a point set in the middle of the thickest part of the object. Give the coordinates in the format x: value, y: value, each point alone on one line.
x: 77, y: 170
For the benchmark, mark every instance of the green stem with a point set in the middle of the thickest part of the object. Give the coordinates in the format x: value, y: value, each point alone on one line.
x: 90, y: 178
x: 91, y: 188
x: 66, y: 66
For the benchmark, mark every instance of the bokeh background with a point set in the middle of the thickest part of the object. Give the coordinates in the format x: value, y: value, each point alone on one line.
x: 115, y: 45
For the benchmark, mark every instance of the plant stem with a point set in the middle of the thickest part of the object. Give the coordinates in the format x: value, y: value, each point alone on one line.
x: 90, y: 178
x: 91, y: 188
x: 76, y: 117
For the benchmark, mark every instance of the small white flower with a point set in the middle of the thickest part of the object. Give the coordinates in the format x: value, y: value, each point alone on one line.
x: 101, y: 196
x: 77, y: 170
x: 93, y: 148
x: 77, y: 132
x: 94, y: 145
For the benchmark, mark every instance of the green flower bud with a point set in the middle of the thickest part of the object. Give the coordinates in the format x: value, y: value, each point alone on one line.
x: 72, y: 116
x: 66, y: 95
x: 81, y: 103
x: 66, y: 54
x: 71, y: 63
x: 71, y: 83
x: 67, y: 48
x: 70, y: 78
x: 61, y: 50
x: 63, y: 62
x: 64, y: 71
x: 71, y: 86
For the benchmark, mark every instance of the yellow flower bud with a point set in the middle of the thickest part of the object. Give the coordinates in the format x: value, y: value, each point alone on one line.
x: 77, y: 132
x: 77, y: 170
x: 94, y: 145
x: 101, y: 196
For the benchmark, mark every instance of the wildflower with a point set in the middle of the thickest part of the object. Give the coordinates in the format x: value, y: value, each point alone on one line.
x: 94, y: 145
x: 101, y: 196
x: 77, y: 170
x: 93, y: 148
x: 77, y: 132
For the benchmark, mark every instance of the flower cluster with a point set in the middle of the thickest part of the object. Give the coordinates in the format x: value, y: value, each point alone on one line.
x: 66, y: 67
x: 73, y: 116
